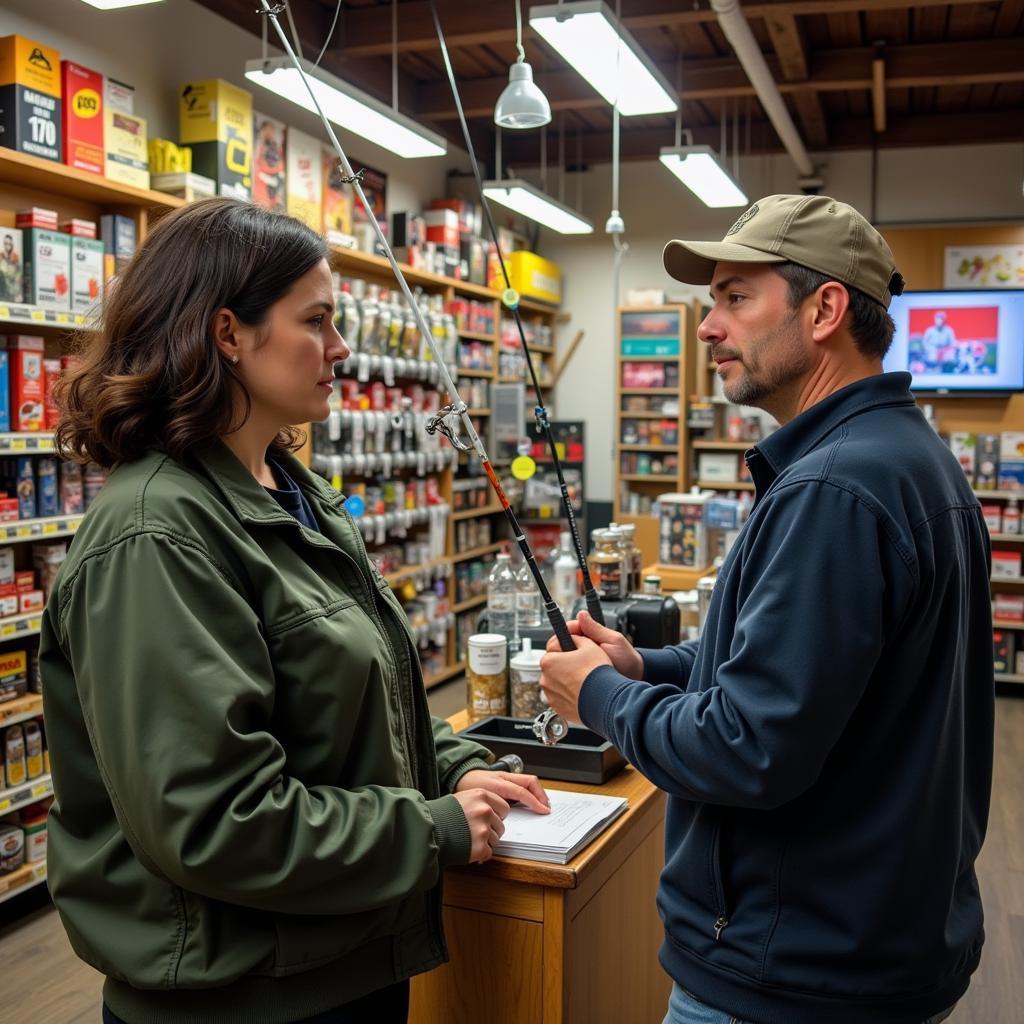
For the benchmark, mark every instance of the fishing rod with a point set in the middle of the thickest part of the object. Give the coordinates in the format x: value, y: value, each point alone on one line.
x: 540, y: 411
x: 549, y: 726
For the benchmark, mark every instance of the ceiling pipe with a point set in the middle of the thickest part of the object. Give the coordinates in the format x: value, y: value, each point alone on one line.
x: 737, y: 30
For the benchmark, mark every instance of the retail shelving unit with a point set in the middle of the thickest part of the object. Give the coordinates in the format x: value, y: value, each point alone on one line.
x: 655, y: 344
x: 1008, y: 584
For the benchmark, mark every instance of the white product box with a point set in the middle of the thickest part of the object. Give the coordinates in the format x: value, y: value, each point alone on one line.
x: 963, y: 446
x: 48, y: 269
x: 719, y: 467
x: 86, y: 273
x: 6, y: 566
x: 12, y: 265
x: 1005, y: 565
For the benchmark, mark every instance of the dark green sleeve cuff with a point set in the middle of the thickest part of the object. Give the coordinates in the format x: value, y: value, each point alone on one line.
x: 451, y: 830
x: 451, y: 780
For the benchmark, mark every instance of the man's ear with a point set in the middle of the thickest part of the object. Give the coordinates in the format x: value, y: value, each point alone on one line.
x: 831, y: 304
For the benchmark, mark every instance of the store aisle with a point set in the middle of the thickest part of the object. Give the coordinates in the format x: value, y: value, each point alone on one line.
x: 44, y: 983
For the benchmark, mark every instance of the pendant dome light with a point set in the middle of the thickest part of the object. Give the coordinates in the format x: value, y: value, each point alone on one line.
x: 521, y: 104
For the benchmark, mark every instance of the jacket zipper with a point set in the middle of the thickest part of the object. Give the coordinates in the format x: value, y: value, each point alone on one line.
x: 721, y: 911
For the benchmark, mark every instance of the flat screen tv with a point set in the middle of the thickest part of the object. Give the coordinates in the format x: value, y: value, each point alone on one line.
x: 960, y: 342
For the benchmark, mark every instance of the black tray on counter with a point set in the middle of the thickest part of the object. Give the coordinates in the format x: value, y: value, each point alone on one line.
x: 582, y: 756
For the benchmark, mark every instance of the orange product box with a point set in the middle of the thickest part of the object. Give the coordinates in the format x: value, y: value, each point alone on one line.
x: 82, y: 117
x: 24, y: 581
x: 28, y: 383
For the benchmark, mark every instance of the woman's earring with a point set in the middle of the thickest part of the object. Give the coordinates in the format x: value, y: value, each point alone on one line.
x: 234, y: 359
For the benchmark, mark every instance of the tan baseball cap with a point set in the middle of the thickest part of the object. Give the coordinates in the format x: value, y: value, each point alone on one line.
x: 815, y: 231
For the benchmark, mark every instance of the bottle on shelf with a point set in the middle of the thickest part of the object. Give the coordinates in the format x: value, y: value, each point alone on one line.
x: 564, y: 588
x: 1011, y: 517
x: 634, y: 556
x: 528, y: 603
x: 606, y: 568
x: 501, y: 598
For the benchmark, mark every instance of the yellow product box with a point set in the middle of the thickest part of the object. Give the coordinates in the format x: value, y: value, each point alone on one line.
x: 532, y: 276
x: 215, y: 120
x: 304, y: 179
x: 30, y: 97
x: 13, y: 675
x: 127, y: 153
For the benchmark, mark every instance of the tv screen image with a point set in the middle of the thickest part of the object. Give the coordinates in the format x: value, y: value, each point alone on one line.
x: 959, y: 342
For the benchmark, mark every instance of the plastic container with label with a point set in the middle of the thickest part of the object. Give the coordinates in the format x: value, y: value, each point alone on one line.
x: 527, y: 698
x: 33, y: 823
x: 486, y: 675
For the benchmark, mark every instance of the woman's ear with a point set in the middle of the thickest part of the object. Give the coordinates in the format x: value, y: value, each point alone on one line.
x: 225, y: 334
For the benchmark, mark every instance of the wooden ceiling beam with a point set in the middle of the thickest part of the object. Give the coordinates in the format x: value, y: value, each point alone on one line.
x: 367, y: 30
x: 787, y: 39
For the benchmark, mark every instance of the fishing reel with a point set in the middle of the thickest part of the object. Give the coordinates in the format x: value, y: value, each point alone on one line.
x: 549, y: 727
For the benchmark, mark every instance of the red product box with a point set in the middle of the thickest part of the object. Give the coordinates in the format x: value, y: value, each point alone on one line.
x: 28, y: 383
x: 8, y: 590
x: 443, y: 228
x: 51, y: 371
x: 1009, y: 607
x: 36, y: 217
x: 82, y: 117
x: 24, y: 581
x: 1005, y: 565
x: 79, y: 228
x: 9, y: 510
x: 31, y: 601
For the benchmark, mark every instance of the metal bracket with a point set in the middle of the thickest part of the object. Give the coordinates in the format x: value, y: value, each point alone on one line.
x: 446, y: 422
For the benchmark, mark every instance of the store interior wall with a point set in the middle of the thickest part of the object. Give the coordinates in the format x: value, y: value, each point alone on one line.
x: 157, y: 48
x: 938, y: 185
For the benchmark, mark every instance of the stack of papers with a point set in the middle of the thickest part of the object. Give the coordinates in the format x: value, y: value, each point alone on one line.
x: 575, y: 820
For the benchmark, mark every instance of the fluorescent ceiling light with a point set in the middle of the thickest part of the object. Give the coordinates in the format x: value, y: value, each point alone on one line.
x: 698, y: 169
x: 588, y: 36
x: 348, y: 107
x: 113, y: 5
x: 522, y: 197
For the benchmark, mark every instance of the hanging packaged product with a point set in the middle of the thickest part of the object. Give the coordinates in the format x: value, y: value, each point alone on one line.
x: 486, y: 676
x: 83, y: 117
x: 303, y: 181
x: 48, y: 269
x: 86, y: 273
x: 268, y: 162
x: 12, y: 265
x: 30, y: 107
x: 28, y: 382
x: 127, y: 153
x: 215, y: 119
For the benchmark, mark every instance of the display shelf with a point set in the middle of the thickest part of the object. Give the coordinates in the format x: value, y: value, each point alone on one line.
x: 484, y: 549
x: 1013, y: 581
x: 478, y: 336
x: 17, y: 626
x: 1007, y: 538
x: 647, y: 391
x: 21, y: 709
x: 472, y: 602
x: 1008, y: 677
x: 448, y: 672
x: 1000, y: 494
x: 34, y: 317
x: 469, y: 513
x: 996, y: 624
x: 355, y: 261
x: 25, y: 878
x: 626, y: 414
x: 654, y: 478
x: 41, y: 175
x: 35, y: 529
x: 393, y: 578
x: 487, y: 374
x: 544, y: 350
x: 479, y: 412
x: 27, y: 793
x: 727, y: 446
x: 18, y: 444
x: 725, y: 485
x: 623, y: 447
x: 649, y: 359
x: 535, y: 306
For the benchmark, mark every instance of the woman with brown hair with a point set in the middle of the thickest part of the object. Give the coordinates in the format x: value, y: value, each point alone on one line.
x: 253, y: 807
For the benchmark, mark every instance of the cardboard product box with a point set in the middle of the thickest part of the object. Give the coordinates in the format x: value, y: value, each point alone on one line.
x: 36, y: 217
x: 13, y: 674
x: 86, y: 274
x: 8, y: 574
x: 79, y: 228
x: 1005, y: 565
x: 118, y: 235
x: 1018, y: 668
x: 1009, y: 607
x: 269, y: 138
x: 986, y: 462
x: 12, y: 265
x: 337, y: 195
x: 682, y: 530
x: 31, y: 601
x: 9, y: 510
x: 963, y: 446
x: 24, y: 581
x: 304, y: 179
x: 1011, y: 460
x: 533, y: 277
x: 119, y: 96
x: 127, y: 153
x: 30, y: 107
x: 470, y: 215
x: 442, y: 227
x: 185, y: 185
x: 215, y: 120
x: 1003, y: 649
x: 473, y: 251
x: 992, y: 513
x: 51, y: 371
x: 722, y: 467
x: 5, y: 391
x: 82, y: 121
x: 48, y: 269
x: 28, y: 383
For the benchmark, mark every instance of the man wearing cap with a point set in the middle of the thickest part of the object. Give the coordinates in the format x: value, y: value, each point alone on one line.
x: 826, y: 746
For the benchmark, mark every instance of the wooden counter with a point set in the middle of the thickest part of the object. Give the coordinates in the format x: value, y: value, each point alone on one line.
x: 536, y: 943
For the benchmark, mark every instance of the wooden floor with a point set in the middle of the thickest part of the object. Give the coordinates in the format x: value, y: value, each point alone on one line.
x: 41, y: 981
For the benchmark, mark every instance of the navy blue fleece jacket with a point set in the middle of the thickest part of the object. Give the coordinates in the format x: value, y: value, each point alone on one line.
x: 827, y: 745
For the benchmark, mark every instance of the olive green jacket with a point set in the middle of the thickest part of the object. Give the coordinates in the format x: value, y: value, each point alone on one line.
x: 252, y: 803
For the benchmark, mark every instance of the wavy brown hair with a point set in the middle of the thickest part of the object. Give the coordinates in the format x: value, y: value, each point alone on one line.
x: 151, y: 377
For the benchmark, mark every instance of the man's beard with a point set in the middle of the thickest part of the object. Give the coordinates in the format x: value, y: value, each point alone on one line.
x: 792, y: 361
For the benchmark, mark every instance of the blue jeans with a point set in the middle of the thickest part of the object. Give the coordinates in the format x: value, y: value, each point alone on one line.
x: 683, y: 1008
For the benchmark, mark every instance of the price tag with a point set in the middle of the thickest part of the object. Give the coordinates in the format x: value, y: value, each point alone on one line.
x: 41, y: 790
x: 19, y: 444
x: 5, y: 805
x: 8, y: 629
x: 523, y: 467
x: 35, y: 624
x: 4, y: 312
x: 23, y: 531
x: 39, y: 315
x: 50, y: 527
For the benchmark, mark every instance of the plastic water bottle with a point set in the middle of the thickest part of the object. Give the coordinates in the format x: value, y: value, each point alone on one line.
x: 564, y: 589
x: 528, y: 603
x: 501, y: 598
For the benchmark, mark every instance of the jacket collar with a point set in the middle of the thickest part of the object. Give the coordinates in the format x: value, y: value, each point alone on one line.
x: 801, y: 435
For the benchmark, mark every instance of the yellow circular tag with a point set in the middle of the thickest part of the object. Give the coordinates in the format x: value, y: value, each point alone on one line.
x: 523, y: 467
x: 409, y: 590
x: 510, y: 298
